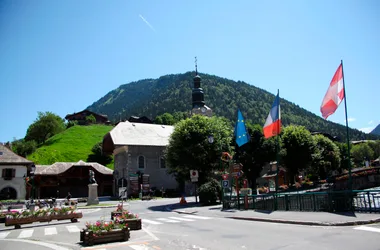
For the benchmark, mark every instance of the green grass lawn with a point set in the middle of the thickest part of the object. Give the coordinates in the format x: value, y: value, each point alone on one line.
x: 71, y: 145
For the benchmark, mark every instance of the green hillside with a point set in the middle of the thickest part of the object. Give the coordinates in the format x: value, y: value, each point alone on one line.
x: 172, y: 93
x: 71, y: 145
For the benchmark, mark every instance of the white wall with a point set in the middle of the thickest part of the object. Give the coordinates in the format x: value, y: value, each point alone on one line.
x: 18, y: 183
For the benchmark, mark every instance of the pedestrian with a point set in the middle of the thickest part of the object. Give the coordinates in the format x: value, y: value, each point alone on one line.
x: 68, y: 196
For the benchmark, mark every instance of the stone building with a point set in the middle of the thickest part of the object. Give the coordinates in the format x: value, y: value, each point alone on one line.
x: 138, y: 150
x: 14, y: 169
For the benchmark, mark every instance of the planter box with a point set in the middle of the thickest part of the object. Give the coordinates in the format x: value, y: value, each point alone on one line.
x: 28, y: 220
x: 133, y: 224
x: 19, y: 221
x: 88, y: 238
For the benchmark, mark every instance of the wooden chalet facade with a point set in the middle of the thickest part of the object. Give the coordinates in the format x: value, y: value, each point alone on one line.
x: 62, y: 177
x: 80, y: 117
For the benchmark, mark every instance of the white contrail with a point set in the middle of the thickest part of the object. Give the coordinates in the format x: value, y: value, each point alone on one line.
x: 147, y: 23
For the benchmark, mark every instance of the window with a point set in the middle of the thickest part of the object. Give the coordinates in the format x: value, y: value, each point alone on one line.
x: 8, y: 173
x: 141, y: 161
x: 162, y: 162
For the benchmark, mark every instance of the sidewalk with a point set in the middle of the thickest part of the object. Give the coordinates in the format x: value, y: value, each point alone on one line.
x: 288, y: 217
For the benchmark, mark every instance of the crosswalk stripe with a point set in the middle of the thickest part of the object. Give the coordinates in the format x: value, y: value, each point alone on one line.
x: 370, y: 229
x: 180, y: 218
x: 151, y: 222
x: 168, y: 220
x: 196, y: 217
x: 50, y: 231
x: 140, y: 247
x: 73, y: 229
x: 26, y: 233
x: 3, y: 235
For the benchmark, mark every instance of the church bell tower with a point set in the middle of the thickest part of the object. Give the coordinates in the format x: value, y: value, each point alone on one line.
x: 199, y: 106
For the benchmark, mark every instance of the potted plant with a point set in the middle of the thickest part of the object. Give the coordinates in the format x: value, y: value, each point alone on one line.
x: 104, y: 232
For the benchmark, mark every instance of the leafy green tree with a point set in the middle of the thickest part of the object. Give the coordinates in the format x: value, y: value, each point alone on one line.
x: 256, y: 153
x: 326, y: 157
x: 166, y: 119
x: 98, y: 156
x: 24, y: 148
x: 298, y: 147
x: 90, y: 119
x: 375, y: 146
x: 360, y: 153
x: 45, y: 126
x: 190, y: 149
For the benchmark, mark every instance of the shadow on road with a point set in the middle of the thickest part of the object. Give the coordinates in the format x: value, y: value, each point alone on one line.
x: 347, y: 214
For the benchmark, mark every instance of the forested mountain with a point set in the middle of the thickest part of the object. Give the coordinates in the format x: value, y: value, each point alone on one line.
x: 376, y: 131
x: 172, y: 93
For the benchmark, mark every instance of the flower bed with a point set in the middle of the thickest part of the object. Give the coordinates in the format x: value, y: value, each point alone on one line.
x: 15, y: 218
x: 125, y: 217
x: 104, y: 232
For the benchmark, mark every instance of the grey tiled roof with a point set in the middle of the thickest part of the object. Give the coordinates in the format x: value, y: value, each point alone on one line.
x: 142, y: 134
x: 60, y: 167
x: 8, y: 157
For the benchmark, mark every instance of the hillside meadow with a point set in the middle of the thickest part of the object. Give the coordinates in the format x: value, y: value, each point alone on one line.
x: 72, y: 145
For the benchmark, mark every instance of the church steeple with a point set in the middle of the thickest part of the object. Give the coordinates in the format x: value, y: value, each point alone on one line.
x: 199, y: 106
x: 198, y: 95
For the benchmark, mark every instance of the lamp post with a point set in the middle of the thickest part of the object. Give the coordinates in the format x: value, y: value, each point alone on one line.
x: 32, y: 170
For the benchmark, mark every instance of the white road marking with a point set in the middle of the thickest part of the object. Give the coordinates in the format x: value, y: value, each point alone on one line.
x: 48, y: 245
x: 140, y: 247
x: 4, y: 234
x: 370, y: 229
x: 73, y: 229
x: 90, y: 210
x: 180, y: 218
x: 168, y: 220
x: 50, y: 230
x: 26, y: 233
x: 197, y: 217
x: 150, y: 234
x: 151, y: 222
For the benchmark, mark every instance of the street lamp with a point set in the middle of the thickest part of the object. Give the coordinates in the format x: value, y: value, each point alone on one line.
x: 32, y: 170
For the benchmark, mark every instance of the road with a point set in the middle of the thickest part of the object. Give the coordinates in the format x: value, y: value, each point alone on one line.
x: 167, y: 230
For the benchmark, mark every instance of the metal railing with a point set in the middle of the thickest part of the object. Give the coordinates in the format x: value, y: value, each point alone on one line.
x: 338, y: 201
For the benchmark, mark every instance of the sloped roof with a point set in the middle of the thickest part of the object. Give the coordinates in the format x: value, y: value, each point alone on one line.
x: 142, y: 134
x: 60, y: 167
x: 7, y: 156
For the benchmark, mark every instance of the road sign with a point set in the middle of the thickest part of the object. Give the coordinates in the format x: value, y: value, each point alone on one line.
x: 225, y: 176
x: 194, y: 179
x: 194, y: 173
x: 225, y: 183
x: 237, y: 167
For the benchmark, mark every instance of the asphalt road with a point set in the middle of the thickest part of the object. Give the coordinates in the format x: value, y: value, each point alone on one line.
x: 171, y: 231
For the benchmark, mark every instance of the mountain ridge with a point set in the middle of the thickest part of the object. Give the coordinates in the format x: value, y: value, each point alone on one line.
x: 172, y: 93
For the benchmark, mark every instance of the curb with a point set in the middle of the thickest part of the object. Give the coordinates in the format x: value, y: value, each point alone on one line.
x: 308, y: 223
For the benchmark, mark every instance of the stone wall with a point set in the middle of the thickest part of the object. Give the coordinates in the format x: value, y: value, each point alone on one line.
x: 127, y: 161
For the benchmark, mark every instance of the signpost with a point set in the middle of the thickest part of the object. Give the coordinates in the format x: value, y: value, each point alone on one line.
x: 194, y: 179
x: 225, y: 183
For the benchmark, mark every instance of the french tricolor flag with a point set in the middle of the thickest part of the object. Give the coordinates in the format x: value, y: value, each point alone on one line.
x: 272, y: 125
x: 334, y: 95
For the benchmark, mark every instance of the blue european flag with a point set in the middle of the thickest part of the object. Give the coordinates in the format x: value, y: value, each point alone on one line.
x: 241, y: 134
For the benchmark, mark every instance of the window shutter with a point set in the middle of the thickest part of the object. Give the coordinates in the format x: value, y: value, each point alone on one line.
x: 13, y: 173
x: 3, y: 173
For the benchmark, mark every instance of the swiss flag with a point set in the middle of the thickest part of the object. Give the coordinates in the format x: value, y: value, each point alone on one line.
x: 334, y: 95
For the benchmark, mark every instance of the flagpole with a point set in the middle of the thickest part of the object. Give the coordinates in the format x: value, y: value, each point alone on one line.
x: 348, y: 138
x: 277, y: 152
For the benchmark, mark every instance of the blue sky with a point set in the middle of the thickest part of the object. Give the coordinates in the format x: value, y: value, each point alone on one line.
x: 62, y: 56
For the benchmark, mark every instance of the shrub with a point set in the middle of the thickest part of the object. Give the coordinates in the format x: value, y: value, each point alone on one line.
x: 209, y: 192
